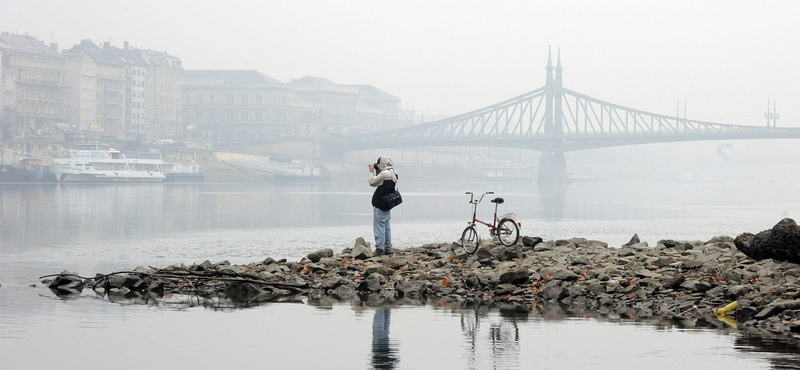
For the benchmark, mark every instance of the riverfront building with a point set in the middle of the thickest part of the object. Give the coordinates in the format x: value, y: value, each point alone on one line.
x: 225, y: 105
x: 100, y: 92
x: 34, y: 97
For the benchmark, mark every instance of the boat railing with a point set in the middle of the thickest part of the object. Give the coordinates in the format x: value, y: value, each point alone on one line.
x: 143, y: 155
x: 89, y: 154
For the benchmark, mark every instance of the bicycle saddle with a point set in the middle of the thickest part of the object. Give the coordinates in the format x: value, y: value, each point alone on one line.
x: 498, y: 200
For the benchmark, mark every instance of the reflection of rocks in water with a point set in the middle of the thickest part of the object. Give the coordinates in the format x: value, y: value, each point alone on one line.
x: 66, y: 284
x: 768, y: 343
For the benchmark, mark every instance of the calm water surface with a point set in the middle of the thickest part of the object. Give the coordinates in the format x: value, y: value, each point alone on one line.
x: 87, y: 229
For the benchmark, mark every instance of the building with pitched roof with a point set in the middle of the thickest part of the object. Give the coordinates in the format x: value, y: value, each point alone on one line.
x: 95, y: 69
x: 33, y: 95
x: 125, y: 93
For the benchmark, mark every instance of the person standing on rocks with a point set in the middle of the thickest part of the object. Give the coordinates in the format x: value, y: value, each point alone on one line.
x: 383, y: 178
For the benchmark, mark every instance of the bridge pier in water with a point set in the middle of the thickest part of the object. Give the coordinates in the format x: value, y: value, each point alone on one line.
x: 552, y: 170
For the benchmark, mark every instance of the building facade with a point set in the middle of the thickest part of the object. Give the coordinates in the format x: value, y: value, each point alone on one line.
x: 101, y: 92
x: 236, y: 105
x: 124, y: 93
x: 225, y: 105
x: 163, y: 94
x: 34, y: 96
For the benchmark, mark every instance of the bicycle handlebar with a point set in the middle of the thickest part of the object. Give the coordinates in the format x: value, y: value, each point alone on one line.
x: 476, y: 201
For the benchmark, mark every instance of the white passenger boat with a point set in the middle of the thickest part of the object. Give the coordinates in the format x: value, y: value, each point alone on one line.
x: 102, y: 163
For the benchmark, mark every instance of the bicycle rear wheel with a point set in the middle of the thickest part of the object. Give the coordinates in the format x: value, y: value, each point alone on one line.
x: 508, y: 232
x: 470, y: 240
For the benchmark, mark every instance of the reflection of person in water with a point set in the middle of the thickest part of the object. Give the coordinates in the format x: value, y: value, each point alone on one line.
x: 383, y: 355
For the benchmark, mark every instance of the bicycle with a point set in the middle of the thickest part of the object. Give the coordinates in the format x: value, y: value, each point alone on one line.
x: 505, y: 227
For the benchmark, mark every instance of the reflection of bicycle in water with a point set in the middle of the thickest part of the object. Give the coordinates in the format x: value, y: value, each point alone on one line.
x: 498, y: 343
x: 505, y: 227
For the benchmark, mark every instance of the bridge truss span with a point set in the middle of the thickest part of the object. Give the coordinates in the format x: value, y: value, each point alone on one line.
x: 554, y: 119
x: 592, y: 123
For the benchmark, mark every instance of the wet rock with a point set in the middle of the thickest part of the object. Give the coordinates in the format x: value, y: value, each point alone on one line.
x: 411, y: 289
x: 344, y: 291
x: 246, y: 293
x: 372, y: 283
x: 777, y: 307
x: 67, y: 282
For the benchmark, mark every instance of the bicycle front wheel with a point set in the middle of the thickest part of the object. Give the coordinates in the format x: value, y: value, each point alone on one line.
x: 470, y: 240
x: 508, y: 232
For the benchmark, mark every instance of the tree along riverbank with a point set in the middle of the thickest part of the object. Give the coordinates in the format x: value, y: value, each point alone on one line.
x: 671, y: 280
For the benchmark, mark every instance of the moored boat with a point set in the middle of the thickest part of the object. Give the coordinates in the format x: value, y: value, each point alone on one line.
x: 102, y: 163
x: 9, y: 173
x: 182, y: 172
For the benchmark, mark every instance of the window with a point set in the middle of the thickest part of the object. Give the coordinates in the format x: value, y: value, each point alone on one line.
x: 199, y: 98
x: 244, y: 98
x: 211, y: 98
x: 230, y: 98
x: 243, y: 116
x: 259, y: 99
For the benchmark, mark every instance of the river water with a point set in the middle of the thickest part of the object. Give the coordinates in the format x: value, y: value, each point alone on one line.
x: 90, y: 229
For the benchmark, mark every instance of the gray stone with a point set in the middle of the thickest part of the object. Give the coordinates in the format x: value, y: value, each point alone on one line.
x: 378, y: 269
x: 505, y: 288
x: 517, y: 276
x: 776, y: 307
x: 634, y: 240
x: 361, y: 252
x: 372, y: 283
x: 360, y: 241
x: 345, y: 291
x: 559, y: 273
x: 411, y: 289
x: 322, y: 253
x: 554, y: 293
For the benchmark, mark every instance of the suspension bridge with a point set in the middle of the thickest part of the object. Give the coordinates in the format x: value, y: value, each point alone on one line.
x: 554, y: 120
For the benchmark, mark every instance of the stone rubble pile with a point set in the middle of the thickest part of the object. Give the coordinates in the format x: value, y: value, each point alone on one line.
x: 671, y: 280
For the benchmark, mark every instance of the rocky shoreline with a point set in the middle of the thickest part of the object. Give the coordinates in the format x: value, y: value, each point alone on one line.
x: 685, y: 280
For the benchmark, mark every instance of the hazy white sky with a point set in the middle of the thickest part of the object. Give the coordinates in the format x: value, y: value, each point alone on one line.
x: 724, y: 58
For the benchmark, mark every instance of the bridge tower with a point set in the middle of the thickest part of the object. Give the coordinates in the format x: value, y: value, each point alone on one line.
x: 552, y: 163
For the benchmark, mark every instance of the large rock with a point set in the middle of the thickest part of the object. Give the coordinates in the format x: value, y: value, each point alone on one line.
x: 782, y: 242
x: 67, y: 281
x: 361, y: 252
x: 320, y: 254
